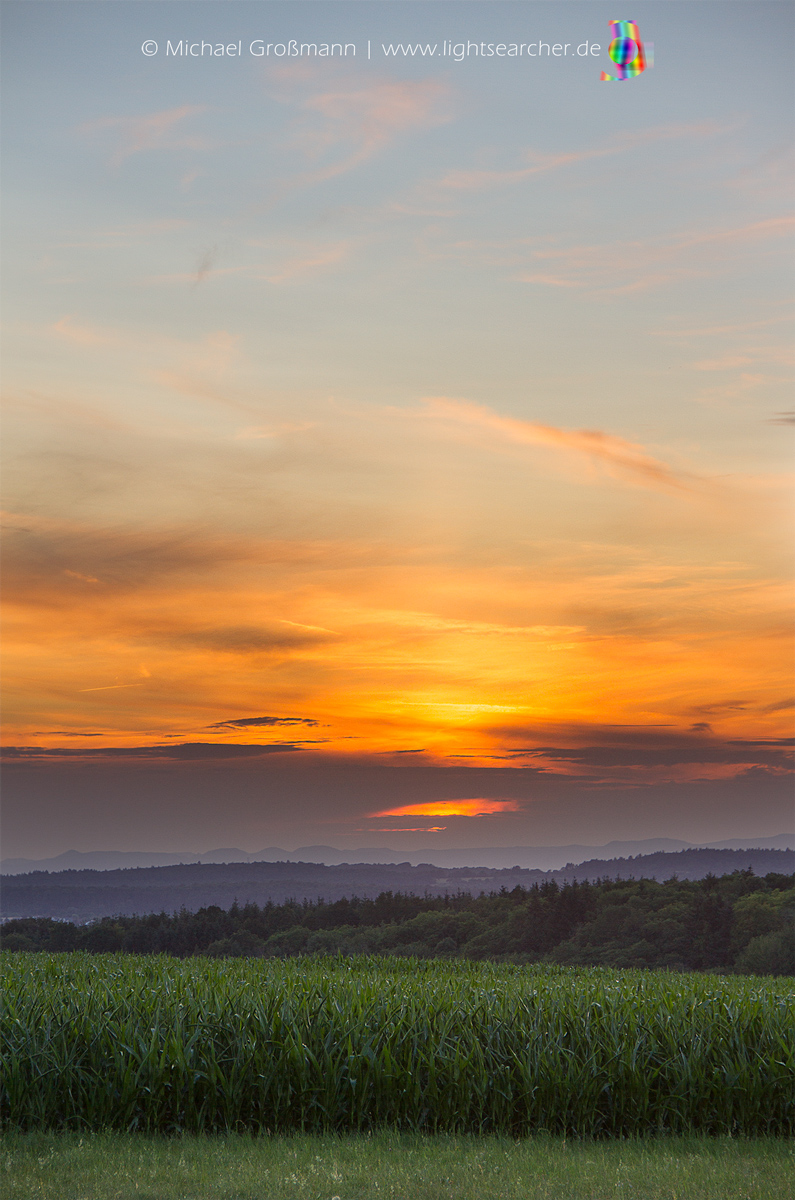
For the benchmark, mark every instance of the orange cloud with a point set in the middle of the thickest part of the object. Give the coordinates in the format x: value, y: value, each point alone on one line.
x: 451, y: 808
x: 615, y: 453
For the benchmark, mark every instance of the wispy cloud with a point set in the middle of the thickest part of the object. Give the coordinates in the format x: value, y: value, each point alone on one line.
x: 213, y: 353
x: 434, y: 623
x: 538, y: 163
x: 84, y: 578
x: 727, y: 363
x: 117, y: 558
x: 617, y: 455
x: 109, y: 687
x: 673, y: 257
x: 307, y: 261
x: 685, y: 333
x: 341, y: 127
x: 149, y: 132
x: 771, y: 175
x: 131, y: 234
x: 80, y: 333
x: 656, y: 261
x: 551, y: 280
x: 203, y: 369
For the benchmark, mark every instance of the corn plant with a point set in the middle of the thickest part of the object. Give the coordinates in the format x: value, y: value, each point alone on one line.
x: 159, y: 1044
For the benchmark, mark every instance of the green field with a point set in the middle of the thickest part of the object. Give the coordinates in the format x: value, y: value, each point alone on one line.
x: 160, y: 1045
x: 391, y: 1166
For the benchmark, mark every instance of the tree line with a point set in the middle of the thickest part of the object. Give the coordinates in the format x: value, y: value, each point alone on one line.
x: 740, y: 923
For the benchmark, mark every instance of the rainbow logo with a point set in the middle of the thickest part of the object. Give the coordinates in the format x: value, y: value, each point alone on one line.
x: 626, y: 51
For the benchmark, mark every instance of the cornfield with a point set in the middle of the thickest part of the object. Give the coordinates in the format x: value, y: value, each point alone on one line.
x: 159, y: 1044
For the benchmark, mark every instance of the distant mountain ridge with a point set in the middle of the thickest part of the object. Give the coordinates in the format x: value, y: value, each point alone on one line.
x: 543, y: 858
x: 87, y: 894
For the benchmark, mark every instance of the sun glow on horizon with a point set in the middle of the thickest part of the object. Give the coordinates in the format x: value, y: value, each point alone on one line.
x: 451, y: 808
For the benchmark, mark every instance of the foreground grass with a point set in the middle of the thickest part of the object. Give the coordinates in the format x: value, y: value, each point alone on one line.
x: 403, y: 1167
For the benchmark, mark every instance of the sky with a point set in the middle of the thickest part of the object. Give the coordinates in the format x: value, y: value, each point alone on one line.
x: 397, y: 443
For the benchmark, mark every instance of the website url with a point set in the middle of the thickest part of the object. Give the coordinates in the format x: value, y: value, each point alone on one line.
x: 461, y: 50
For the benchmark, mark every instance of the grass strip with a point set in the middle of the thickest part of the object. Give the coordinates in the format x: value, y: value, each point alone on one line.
x: 388, y: 1165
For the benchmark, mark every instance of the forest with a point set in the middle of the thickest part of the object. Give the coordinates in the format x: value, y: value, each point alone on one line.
x: 737, y: 923
x: 86, y: 895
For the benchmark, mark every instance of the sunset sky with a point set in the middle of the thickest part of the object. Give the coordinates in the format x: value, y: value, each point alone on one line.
x: 397, y: 450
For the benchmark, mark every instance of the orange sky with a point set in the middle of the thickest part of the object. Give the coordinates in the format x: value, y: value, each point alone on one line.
x: 354, y: 415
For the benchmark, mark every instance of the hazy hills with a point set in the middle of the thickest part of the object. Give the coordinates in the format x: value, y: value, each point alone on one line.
x: 81, y: 895
x: 541, y: 858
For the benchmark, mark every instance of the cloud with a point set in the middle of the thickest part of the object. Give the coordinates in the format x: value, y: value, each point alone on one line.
x: 193, y: 382
x: 238, y: 639
x: 684, y: 334
x: 149, y: 132
x: 204, y: 368
x: 783, y: 418
x: 744, y: 234
x: 302, y: 625
x: 110, y: 687
x: 551, y: 280
x: 184, y: 751
x: 64, y: 733
x: 341, y: 127
x: 771, y: 753
x: 85, y: 578
x: 41, y: 551
x: 727, y: 363
x: 433, y: 622
x: 244, y: 722
x: 451, y: 808
x: 374, y: 114
x: 118, y: 236
x: 602, y: 748
x: 308, y: 261
x: 539, y: 163
x: 656, y: 261
x: 619, y: 457
x: 71, y: 330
